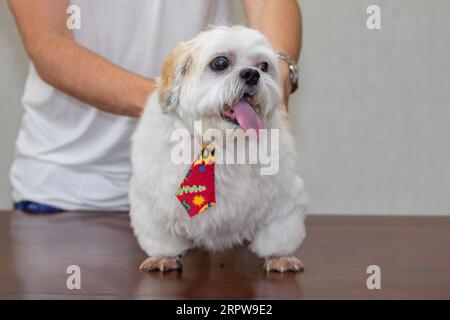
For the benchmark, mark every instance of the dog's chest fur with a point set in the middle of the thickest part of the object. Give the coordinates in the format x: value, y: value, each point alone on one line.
x: 239, y: 209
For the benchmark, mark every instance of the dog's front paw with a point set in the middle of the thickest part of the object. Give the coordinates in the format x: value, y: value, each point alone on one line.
x: 161, y: 264
x: 283, y: 264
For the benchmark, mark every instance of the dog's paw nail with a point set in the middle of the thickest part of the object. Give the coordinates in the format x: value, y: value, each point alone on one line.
x: 283, y: 264
x: 160, y: 264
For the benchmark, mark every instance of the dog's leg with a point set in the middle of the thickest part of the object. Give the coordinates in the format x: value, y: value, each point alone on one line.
x: 278, y: 240
x: 164, y: 250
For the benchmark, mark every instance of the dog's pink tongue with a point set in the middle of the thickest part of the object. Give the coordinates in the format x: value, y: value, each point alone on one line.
x: 247, y: 117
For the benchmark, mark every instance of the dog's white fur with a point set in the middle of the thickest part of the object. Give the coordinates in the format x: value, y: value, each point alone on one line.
x: 267, y: 211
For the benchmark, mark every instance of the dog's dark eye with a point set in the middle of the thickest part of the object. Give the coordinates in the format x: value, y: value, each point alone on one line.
x: 220, y: 63
x: 264, y: 67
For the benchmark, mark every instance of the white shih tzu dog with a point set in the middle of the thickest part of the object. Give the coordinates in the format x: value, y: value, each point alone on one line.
x: 229, y: 79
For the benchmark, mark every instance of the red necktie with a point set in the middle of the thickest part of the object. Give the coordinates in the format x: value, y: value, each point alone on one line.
x: 197, y: 191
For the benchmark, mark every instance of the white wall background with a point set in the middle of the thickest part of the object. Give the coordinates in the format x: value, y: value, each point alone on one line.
x: 372, y: 117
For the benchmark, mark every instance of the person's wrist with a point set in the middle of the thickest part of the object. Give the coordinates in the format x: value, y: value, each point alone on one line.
x: 285, y: 81
x: 139, y: 96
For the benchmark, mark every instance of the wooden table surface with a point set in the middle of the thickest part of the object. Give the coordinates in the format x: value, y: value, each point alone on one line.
x: 35, y: 251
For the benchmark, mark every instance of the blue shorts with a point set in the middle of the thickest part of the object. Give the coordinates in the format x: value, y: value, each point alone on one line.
x: 34, y: 207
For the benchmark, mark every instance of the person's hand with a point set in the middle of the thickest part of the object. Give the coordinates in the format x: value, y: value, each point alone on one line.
x: 285, y: 80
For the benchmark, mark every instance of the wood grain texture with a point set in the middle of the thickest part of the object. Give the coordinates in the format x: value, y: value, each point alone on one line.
x: 412, y: 252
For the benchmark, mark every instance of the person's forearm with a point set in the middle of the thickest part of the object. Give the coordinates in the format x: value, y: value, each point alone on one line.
x: 281, y: 22
x: 88, y: 77
x: 66, y: 65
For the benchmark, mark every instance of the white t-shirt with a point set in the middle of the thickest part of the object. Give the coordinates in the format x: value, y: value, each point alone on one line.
x: 73, y: 156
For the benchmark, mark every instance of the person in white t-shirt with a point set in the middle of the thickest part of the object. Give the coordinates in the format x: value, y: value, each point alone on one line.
x: 86, y: 88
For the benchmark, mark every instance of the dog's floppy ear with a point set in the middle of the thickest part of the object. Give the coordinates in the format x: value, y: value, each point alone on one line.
x: 174, y: 70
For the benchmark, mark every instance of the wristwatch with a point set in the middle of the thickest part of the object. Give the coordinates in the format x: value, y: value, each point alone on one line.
x: 293, y: 69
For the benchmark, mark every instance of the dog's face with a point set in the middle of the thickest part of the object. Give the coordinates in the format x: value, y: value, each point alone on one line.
x: 226, y: 77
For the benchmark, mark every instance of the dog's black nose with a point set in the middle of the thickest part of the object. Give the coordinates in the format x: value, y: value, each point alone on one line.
x: 251, y: 76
